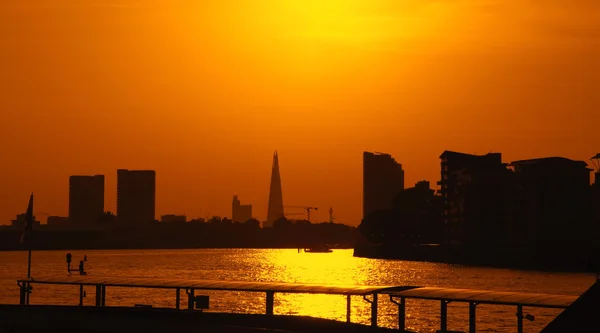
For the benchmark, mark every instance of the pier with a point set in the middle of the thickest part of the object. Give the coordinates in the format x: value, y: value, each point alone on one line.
x: 474, y: 298
x: 371, y: 294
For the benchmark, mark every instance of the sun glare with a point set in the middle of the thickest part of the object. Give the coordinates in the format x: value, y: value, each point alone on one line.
x: 356, y: 23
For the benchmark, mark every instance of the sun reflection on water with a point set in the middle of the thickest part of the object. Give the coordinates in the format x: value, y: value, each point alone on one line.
x: 329, y: 268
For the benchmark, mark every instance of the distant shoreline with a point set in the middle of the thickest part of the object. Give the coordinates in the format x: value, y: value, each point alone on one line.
x: 183, y: 237
x: 568, y: 263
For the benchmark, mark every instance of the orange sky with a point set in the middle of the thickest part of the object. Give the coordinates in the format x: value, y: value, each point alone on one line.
x: 204, y: 91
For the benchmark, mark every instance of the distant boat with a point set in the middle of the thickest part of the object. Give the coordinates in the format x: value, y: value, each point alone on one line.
x: 319, y: 249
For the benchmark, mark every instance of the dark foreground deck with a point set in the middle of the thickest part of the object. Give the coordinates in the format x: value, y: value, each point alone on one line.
x: 581, y: 316
x: 250, y: 323
x: 77, y: 319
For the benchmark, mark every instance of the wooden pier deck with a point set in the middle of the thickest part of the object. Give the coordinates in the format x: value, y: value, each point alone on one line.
x: 396, y: 294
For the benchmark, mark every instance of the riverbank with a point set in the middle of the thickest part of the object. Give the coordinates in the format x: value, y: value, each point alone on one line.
x: 550, y: 260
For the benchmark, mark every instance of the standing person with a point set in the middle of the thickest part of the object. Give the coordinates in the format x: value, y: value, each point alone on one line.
x: 69, y: 263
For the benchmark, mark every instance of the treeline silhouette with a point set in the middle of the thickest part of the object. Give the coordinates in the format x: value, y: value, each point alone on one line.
x: 214, y: 233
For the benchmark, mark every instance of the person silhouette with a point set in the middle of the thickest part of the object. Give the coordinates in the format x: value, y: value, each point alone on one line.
x: 69, y: 263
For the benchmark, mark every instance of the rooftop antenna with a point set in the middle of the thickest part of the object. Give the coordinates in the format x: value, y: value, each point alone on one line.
x: 596, y: 162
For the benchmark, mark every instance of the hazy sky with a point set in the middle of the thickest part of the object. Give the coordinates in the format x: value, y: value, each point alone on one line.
x: 203, y: 92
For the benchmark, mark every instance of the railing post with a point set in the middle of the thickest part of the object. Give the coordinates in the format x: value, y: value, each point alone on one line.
x: 444, y: 316
x: 80, y: 295
x: 177, y: 299
x: 191, y: 299
x: 28, y: 292
x: 348, y: 308
x: 519, y: 318
x: 374, y: 311
x: 270, y: 301
x: 402, y: 314
x: 98, y: 295
x: 472, y: 317
x: 22, y: 293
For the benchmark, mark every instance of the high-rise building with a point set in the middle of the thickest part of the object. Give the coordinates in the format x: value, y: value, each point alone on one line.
x: 418, y: 213
x: 383, y: 180
x: 275, y: 209
x: 86, y: 200
x: 136, y: 197
x: 556, y: 201
x: 240, y: 213
x: 475, y: 190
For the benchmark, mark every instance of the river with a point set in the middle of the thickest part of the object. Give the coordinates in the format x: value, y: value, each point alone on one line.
x: 284, y: 265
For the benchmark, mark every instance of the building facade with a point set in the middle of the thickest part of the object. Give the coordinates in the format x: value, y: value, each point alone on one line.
x: 240, y: 213
x: 383, y: 179
x: 136, y: 197
x: 475, y: 190
x: 420, y: 210
x: 58, y: 222
x: 555, y: 201
x: 86, y: 200
x: 19, y: 222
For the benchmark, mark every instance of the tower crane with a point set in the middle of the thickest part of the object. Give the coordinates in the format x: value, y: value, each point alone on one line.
x: 307, y: 208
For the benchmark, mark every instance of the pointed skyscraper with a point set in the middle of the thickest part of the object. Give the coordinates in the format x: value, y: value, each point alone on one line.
x: 275, y: 210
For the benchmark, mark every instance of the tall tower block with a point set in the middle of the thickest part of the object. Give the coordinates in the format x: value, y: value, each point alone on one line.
x: 275, y: 209
x: 136, y: 197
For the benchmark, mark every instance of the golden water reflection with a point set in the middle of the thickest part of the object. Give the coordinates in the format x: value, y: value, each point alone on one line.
x: 316, y: 268
x: 329, y: 268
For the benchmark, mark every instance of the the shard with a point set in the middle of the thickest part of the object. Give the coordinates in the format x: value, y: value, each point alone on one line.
x: 275, y: 210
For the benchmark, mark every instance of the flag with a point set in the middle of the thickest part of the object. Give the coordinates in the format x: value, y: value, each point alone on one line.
x: 28, y: 220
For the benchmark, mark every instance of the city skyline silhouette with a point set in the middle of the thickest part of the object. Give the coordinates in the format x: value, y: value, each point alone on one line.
x: 387, y: 186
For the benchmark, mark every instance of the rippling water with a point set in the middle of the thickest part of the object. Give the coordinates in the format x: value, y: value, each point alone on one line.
x: 339, y: 267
